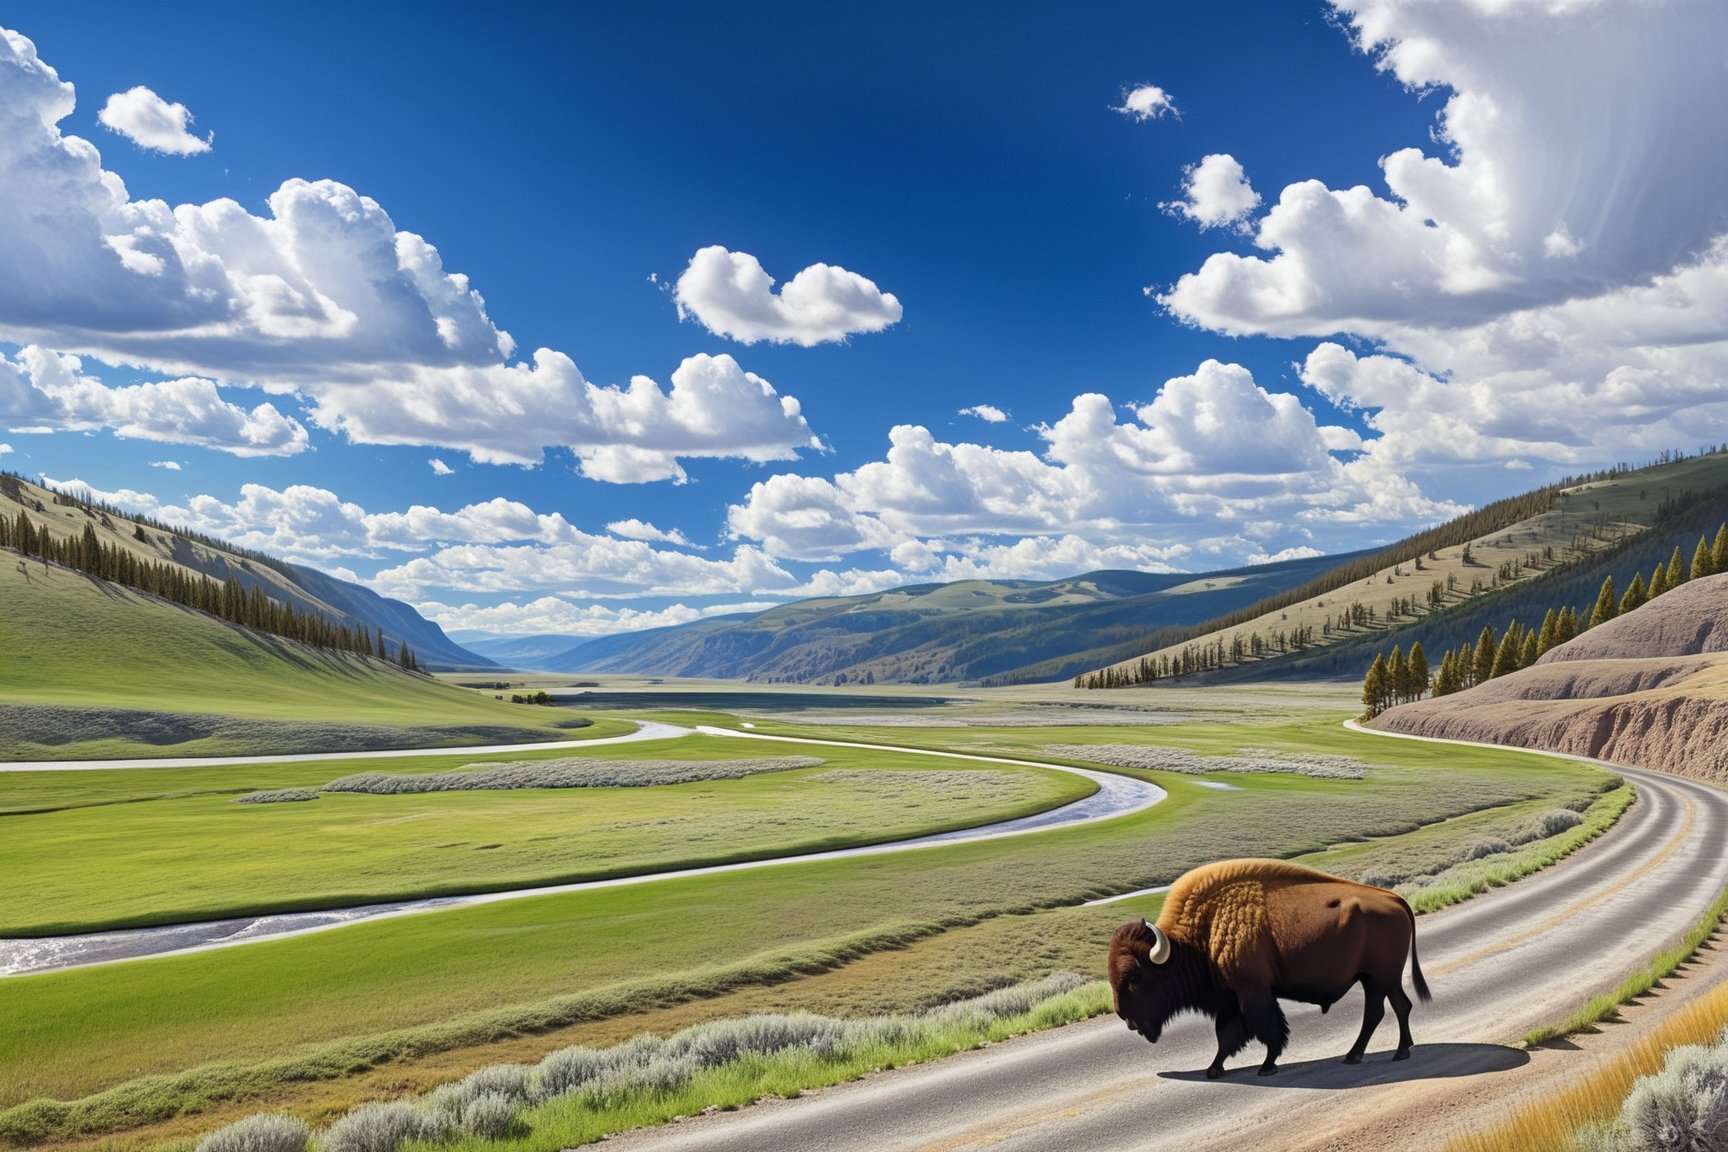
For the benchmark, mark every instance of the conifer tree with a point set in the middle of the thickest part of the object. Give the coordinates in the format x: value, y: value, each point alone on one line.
x: 1482, y: 661
x: 1568, y: 629
x: 1443, y: 679
x: 1606, y: 605
x: 1658, y: 582
x: 1634, y: 597
x: 1506, y: 654
x: 1701, y: 559
x: 1374, y: 688
x: 1397, y: 675
x: 1550, y: 632
x: 1528, y: 653
x: 1678, y: 573
x: 1417, y: 666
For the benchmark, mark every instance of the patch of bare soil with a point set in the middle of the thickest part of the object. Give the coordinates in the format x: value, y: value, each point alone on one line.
x: 1426, y: 1114
x: 1649, y: 689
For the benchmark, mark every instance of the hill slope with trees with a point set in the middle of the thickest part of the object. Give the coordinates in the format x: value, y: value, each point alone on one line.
x: 244, y: 586
x: 1440, y: 587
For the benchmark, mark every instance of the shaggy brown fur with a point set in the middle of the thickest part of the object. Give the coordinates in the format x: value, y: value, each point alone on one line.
x: 1246, y: 933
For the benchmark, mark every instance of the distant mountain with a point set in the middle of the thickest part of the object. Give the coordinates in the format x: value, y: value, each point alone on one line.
x: 306, y: 589
x: 975, y: 630
x: 517, y: 651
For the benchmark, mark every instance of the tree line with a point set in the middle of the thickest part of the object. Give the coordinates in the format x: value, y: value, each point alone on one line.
x: 227, y: 600
x: 1520, y: 646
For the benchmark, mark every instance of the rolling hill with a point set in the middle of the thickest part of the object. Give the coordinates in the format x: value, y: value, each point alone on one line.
x: 973, y: 630
x: 306, y: 589
x: 1516, y: 558
x: 94, y: 670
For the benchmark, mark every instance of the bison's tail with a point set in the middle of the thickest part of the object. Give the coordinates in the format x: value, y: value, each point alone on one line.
x: 1415, y: 963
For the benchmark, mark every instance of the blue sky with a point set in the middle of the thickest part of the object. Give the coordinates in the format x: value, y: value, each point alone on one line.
x: 1334, y: 273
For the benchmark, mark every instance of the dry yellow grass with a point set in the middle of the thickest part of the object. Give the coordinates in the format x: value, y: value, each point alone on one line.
x: 1550, y: 1124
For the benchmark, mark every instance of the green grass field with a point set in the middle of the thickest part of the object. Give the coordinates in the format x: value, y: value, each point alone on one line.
x: 190, y: 852
x: 74, y: 643
x: 366, y: 1010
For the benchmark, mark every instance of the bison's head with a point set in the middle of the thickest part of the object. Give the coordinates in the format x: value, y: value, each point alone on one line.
x: 1146, y: 995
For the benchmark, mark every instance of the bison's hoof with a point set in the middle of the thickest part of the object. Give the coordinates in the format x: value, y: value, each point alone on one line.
x: 1352, y: 1059
x: 1215, y: 1071
x: 1267, y: 1069
x: 1401, y: 1054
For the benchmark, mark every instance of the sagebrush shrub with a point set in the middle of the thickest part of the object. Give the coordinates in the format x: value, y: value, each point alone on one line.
x: 269, y: 1132
x: 382, y: 1127
x: 491, y: 1116
x: 720, y: 1041
x: 1682, y: 1107
x: 566, y: 1070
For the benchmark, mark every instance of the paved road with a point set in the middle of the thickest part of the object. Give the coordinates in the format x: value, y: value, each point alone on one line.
x: 1499, y: 965
x: 1116, y: 796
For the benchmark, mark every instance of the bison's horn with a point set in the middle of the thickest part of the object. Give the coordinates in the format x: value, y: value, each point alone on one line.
x: 1160, y: 943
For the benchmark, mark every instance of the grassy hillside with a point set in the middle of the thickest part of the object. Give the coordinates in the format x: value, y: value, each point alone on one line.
x: 1576, y: 587
x: 304, y: 589
x: 94, y: 670
x: 999, y: 631
x: 1411, y: 591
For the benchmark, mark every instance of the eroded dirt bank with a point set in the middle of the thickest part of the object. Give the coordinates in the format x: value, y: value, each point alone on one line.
x: 1649, y: 689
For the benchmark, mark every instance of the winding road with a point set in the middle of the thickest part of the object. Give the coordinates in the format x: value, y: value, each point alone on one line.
x: 1116, y: 795
x: 1500, y: 965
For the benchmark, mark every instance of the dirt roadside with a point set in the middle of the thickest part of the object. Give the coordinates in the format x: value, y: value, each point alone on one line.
x: 1429, y: 1113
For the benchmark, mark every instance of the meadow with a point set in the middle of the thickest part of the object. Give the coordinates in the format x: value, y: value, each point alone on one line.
x: 158, y: 1050
x: 192, y: 851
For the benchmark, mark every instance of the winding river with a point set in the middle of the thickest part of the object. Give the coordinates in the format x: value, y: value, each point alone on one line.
x: 1116, y: 796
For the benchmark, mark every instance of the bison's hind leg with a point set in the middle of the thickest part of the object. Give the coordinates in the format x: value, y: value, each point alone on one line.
x: 1373, y: 1011
x: 1232, y: 1038
x: 1401, y: 1008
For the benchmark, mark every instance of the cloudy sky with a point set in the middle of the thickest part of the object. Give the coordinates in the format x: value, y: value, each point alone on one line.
x: 592, y: 318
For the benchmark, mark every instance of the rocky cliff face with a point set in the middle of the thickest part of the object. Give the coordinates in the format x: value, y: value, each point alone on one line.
x: 1649, y: 689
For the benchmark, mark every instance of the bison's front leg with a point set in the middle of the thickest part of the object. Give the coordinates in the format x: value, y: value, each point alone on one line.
x: 1267, y: 1024
x: 1232, y: 1038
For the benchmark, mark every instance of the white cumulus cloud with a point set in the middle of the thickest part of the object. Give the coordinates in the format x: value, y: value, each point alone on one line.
x: 557, y: 616
x: 1215, y: 193
x: 730, y: 295
x: 1213, y: 454
x: 1147, y: 102
x: 324, y: 299
x: 988, y: 413
x: 439, y: 468
x: 1573, y: 161
x: 634, y: 529
x: 152, y: 122
x: 43, y: 391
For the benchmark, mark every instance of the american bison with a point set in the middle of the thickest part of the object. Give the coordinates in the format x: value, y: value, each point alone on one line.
x: 1237, y: 936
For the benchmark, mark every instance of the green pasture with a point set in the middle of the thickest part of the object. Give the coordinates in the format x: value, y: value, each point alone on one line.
x: 184, y: 850
x: 75, y: 643
x: 134, y: 1042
